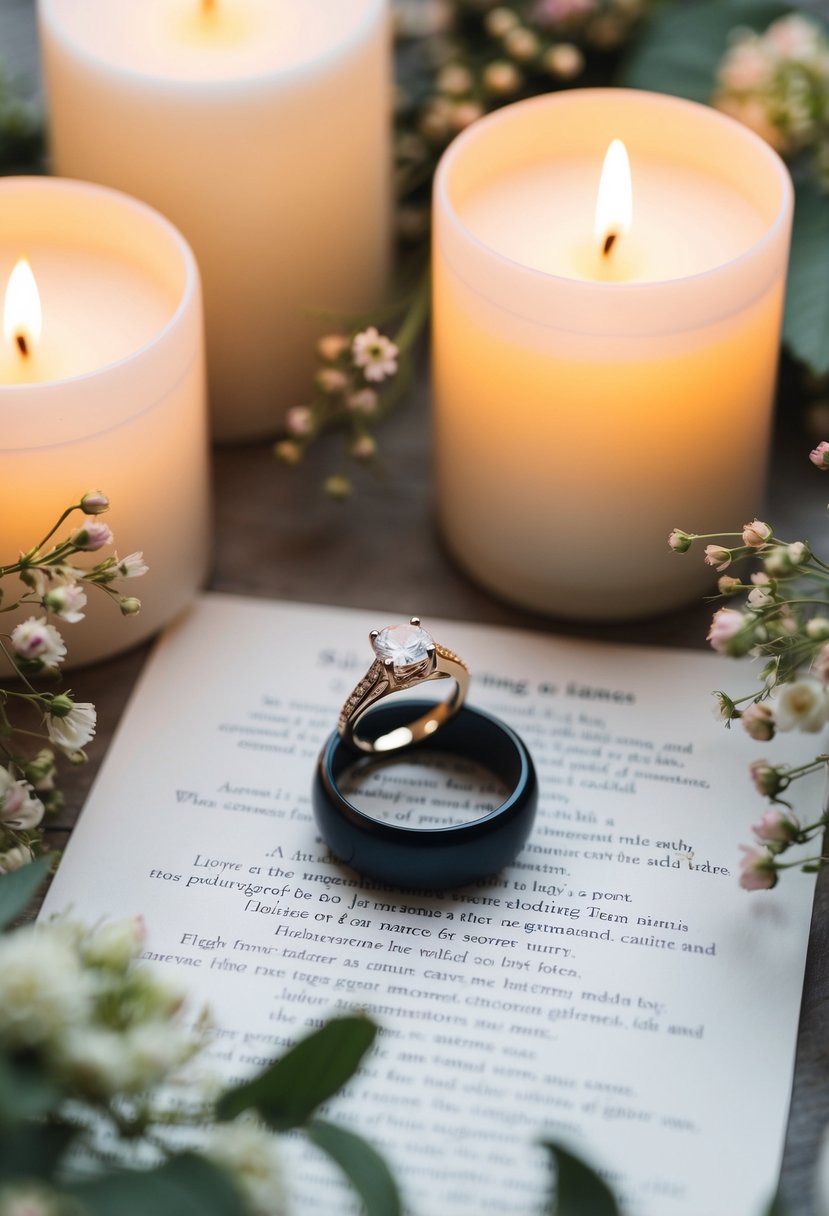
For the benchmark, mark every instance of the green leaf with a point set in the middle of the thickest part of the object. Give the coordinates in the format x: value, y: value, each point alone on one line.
x: 25, y: 1091
x: 33, y: 1150
x: 806, y: 321
x: 362, y: 1165
x: 579, y: 1190
x: 18, y: 887
x: 288, y: 1092
x: 681, y: 48
x: 186, y: 1185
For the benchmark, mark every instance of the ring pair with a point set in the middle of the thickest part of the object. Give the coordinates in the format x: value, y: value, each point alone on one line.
x: 434, y: 858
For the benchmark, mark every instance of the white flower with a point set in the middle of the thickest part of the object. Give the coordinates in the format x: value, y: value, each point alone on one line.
x: 18, y: 809
x: 375, y: 354
x: 759, y: 597
x: 250, y: 1153
x: 154, y: 1050
x: 36, y: 640
x: 43, y: 989
x: 29, y: 1199
x: 66, y: 601
x: 802, y: 704
x: 93, y: 534
x: 114, y: 944
x: 95, y: 1060
x: 298, y: 420
x: 133, y: 565
x: 15, y: 859
x: 74, y: 729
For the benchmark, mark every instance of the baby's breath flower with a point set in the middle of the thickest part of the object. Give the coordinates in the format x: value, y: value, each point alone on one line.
x: 114, y: 944
x: 287, y: 451
x: 364, y: 448
x: 728, y: 585
x: 799, y: 553
x: 801, y: 704
x: 760, y: 597
x: 43, y: 988
x: 502, y: 78
x: 36, y: 642
x: 364, y: 402
x: 15, y: 859
x: 92, y: 535
x: 716, y: 555
x: 758, y: 871
x: 564, y: 61
x: 67, y: 602
x: 32, y: 1199
x: 331, y: 380
x: 522, y: 44
x: 731, y: 632
x: 19, y: 810
x: 454, y: 80
x: 756, y: 534
x: 337, y: 487
x: 819, y: 456
x: 463, y: 116
x: 70, y: 724
x: 298, y: 420
x: 776, y: 829
x: 375, y: 354
x: 249, y: 1152
x: 129, y: 605
x: 724, y: 708
x: 818, y: 629
x: 758, y: 720
x: 331, y: 346
x: 132, y: 566
x: 94, y: 503
x: 768, y: 780
x: 680, y: 541
x: 499, y: 22
x: 40, y: 770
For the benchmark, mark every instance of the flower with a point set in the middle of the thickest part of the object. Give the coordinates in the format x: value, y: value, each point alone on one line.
x: 801, y: 704
x: 728, y: 585
x: 501, y: 78
x: 249, y: 1152
x: 298, y: 420
x: 776, y: 827
x: 331, y: 346
x: 375, y: 354
x: 30, y: 1199
x: 819, y: 456
x: 564, y: 61
x: 70, y: 724
x: 114, y: 944
x: 133, y: 565
x: 716, y: 555
x: 726, y: 624
x: 92, y: 535
x: 129, y: 605
x: 94, y: 503
x: 18, y: 809
x: 331, y: 380
x: 499, y: 21
x: 364, y: 402
x: 287, y: 451
x: 758, y: 720
x: 760, y: 597
x: 756, y: 534
x: 66, y: 601
x: 364, y: 448
x: 337, y: 487
x: 767, y: 779
x: 799, y: 552
x: 43, y: 988
x: 16, y: 858
x: 680, y: 541
x: 758, y: 871
x: 455, y: 80
x: 37, y: 642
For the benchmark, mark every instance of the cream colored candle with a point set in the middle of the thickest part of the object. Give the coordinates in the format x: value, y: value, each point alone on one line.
x: 261, y: 128
x: 586, y: 402
x: 109, y: 395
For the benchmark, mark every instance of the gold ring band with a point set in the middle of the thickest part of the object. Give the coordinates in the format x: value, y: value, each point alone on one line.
x: 406, y: 656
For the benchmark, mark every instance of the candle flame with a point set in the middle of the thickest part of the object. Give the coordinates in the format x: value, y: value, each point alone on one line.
x: 614, y: 205
x: 208, y: 7
x: 22, y: 317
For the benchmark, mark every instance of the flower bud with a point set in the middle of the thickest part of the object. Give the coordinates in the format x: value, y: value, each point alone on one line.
x: 129, y: 605
x: 680, y: 541
x: 61, y: 706
x: 455, y: 80
x: 364, y: 402
x: 819, y: 456
x: 364, y: 448
x: 716, y: 555
x: 287, y: 452
x: 758, y: 871
x: 502, y: 78
x: 331, y: 346
x: 40, y: 770
x: 767, y: 779
x: 756, y: 534
x: 776, y: 828
x: 564, y: 61
x: 94, y: 503
x: 729, y: 585
x: 298, y: 420
x: 337, y: 487
x: 331, y: 380
x: 758, y: 720
x: 818, y: 629
x: 499, y: 22
x: 91, y: 536
x: 522, y: 44
x: 799, y: 553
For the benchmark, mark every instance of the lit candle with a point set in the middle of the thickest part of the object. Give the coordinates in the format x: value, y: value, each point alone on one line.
x: 261, y: 128
x: 601, y: 377
x: 107, y: 393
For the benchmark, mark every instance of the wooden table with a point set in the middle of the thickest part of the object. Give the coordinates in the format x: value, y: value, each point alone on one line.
x: 278, y: 537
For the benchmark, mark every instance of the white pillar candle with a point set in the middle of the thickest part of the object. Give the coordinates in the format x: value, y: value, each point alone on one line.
x: 587, y: 403
x: 110, y: 397
x: 261, y: 128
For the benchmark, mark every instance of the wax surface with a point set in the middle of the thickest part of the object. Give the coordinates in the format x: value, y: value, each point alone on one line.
x: 683, y: 223
x: 240, y: 38
x: 97, y: 309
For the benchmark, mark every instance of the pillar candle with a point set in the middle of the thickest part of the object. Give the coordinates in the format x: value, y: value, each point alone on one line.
x: 587, y: 402
x: 261, y: 129
x: 110, y: 396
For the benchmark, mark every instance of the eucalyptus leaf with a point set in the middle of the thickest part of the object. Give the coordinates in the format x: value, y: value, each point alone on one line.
x: 579, y: 1190
x: 33, y: 1150
x: 806, y: 322
x: 288, y: 1092
x: 362, y: 1165
x: 186, y: 1185
x: 18, y: 887
x: 681, y: 47
x: 25, y: 1091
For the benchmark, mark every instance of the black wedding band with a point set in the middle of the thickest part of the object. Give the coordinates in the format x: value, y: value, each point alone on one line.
x: 433, y: 858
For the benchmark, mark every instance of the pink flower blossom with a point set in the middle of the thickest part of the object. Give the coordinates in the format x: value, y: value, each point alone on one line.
x: 716, y: 555
x: 756, y: 534
x: 67, y: 602
x: 92, y: 535
x: 680, y: 541
x: 775, y: 827
x: 726, y: 623
x: 767, y: 779
x: 375, y: 354
x: 94, y: 503
x: 819, y: 456
x: 758, y: 720
x: 758, y: 871
x: 298, y: 420
x: 36, y: 641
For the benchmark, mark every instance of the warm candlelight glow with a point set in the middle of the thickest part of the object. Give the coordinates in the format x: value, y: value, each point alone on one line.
x: 22, y: 318
x: 208, y: 7
x: 614, y: 205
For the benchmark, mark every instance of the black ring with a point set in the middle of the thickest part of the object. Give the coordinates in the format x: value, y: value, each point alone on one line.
x: 433, y: 858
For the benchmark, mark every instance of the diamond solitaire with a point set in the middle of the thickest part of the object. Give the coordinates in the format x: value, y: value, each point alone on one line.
x: 407, y: 656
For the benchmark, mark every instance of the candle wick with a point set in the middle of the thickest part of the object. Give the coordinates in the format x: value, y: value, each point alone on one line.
x: 22, y: 345
x: 609, y: 242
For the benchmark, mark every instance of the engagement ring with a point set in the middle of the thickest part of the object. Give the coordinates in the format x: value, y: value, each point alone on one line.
x: 407, y: 656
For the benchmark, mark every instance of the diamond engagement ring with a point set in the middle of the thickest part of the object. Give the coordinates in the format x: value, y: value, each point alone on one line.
x: 407, y: 656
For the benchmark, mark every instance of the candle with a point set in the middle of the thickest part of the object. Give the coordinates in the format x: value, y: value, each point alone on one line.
x: 261, y: 128
x: 102, y: 387
x: 588, y: 400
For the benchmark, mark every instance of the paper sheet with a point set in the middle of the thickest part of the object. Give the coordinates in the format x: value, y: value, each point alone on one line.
x: 613, y: 989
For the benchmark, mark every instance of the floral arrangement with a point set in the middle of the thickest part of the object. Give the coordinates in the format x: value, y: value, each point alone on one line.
x: 784, y: 619
x: 49, y: 580
x: 100, y: 1088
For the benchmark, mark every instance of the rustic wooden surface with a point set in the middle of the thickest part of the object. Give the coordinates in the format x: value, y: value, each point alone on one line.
x: 277, y: 537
